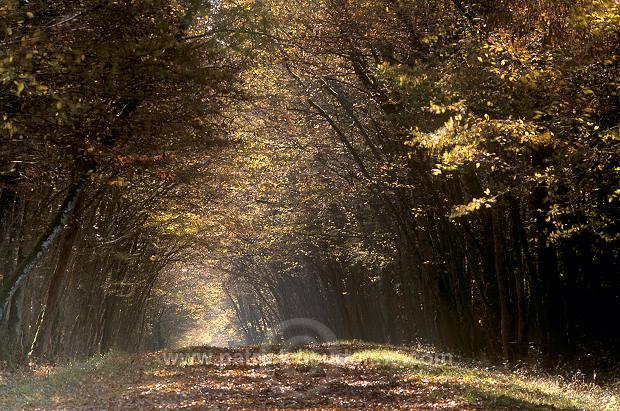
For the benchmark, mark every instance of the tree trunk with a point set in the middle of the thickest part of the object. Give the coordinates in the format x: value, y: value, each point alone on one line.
x: 505, y: 318
x: 43, y: 330
x: 12, y: 283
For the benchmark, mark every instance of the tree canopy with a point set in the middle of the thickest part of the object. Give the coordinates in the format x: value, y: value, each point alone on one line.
x: 401, y: 171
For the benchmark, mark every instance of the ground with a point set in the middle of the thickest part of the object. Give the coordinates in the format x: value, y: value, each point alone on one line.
x: 339, y: 376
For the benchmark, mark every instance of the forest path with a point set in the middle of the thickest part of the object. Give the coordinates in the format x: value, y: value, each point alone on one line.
x: 248, y: 378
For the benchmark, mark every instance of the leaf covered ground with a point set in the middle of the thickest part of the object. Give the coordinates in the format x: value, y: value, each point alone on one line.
x: 351, y: 376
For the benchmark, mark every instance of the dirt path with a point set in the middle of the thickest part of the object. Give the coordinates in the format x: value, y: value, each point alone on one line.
x: 235, y: 379
x: 279, y: 387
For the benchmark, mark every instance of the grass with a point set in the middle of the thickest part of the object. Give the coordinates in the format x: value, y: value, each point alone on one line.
x: 304, y: 357
x: 503, y: 388
x: 45, y: 386
x: 386, y: 359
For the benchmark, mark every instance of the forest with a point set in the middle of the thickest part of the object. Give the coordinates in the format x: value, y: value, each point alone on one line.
x: 401, y: 171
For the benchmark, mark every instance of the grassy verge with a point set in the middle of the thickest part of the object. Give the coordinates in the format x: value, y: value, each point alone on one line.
x: 492, y: 387
x: 44, y: 387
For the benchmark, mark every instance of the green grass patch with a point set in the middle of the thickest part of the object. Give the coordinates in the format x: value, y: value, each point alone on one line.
x: 385, y: 358
x: 303, y: 357
x: 499, y: 388
x: 45, y: 386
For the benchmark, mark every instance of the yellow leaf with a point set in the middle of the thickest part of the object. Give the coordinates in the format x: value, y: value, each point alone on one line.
x: 20, y: 87
x: 119, y: 182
